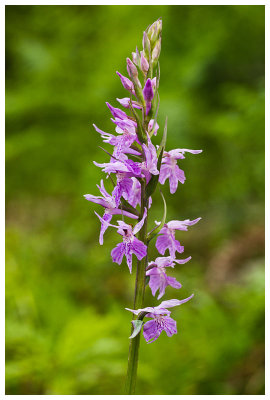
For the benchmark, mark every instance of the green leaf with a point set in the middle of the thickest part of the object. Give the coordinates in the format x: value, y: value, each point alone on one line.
x: 158, y: 228
x: 137, y: 324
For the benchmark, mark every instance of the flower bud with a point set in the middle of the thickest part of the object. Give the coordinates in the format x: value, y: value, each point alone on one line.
x: 136, y: 57
x: 154, y: 83
x: 144, y: 64
x: 131, y: 69
x: 156, y: 51
x: 126, y: 83
x: 148, y: 95
x: 154, y: 31
x: 146, y: 45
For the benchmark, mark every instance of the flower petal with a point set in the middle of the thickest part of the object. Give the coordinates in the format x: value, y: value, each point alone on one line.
x: 104, y: 226
x: 138, y: 248
x: 139, y: 225
x: 151, y: 331
x: 117, y: 253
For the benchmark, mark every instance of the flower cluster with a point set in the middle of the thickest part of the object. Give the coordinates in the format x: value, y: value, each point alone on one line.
x: 135, y: 168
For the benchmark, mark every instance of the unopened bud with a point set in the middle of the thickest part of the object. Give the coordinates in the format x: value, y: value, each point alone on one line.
x: 154, y: 31
x: 131, y: 69
x: 146, y: 45
x: 144, y: 64
x: 136, y: 57
x: 148, y: 95
x: 156, y: 51
x: 126, y: 83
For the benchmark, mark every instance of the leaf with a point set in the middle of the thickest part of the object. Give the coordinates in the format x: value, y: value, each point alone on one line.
x: 137, y: 324
x: 158, y: 228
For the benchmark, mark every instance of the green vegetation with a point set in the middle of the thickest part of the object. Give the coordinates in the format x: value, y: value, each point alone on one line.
x: 66, y: 326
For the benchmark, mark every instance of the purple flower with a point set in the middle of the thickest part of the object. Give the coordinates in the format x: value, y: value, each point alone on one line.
x: 166, y: 238
x: 128, y: 85
x: 135, y: 194
x: 134, y: 197
x: 149, y: 166
x: 157, y: 273
x: 123, y: 187
x: 125, y: 102
x: 121, y: 143
x: 148, y: 94
x: 131, y: 168
x: 125, y: 125
x: 124, y: 170
x: 130, y: 245
x: 169, y: 168
x: 161, y: 320
x: 111, y: 208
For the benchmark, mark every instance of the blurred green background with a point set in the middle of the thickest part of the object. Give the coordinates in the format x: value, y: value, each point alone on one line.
x: 66, y: 326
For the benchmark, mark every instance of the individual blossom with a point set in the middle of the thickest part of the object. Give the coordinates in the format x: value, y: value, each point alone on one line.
x: 166, y: 238
x: 124, y: 170
x: 121, y: 143
x: 127, y: 131
x: 170, y: 170
x: 130, y: 245
x: 134, y: 197
x: 111, y: 208
x: 161, y: 320
x: 159, y: 280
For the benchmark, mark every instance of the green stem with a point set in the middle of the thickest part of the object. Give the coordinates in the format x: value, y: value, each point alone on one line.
x: 138, y: 303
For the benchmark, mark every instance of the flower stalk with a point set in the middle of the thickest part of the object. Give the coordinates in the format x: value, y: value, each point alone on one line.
x: 136, y: 168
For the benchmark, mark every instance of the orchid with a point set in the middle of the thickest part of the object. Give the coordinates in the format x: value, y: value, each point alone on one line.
x: 111, y: 208
x: 159, y: 280
x: 161, y: 320
x: 130, y: 245
x: 170, y: 170
x: 149, y: 166
x: 166, y: 238
x: 136, y: 166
